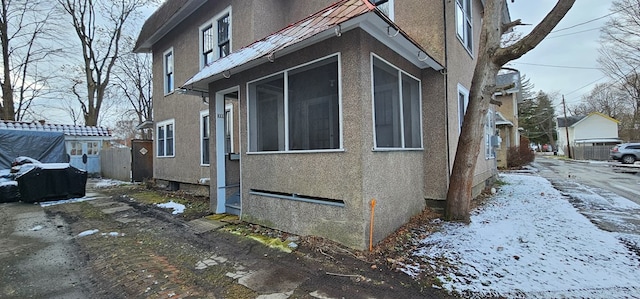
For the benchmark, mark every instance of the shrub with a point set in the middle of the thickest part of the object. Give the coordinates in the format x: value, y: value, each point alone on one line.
x: 518, y: 156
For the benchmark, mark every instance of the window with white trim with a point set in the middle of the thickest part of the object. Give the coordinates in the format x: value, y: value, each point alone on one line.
x: 215, y: 38
x: 205, y: 133
x: 396, y: 106
x: 489, y: 134
x: 165, y: 138
x: 385, y: 6
x: 464, y: 24
x: 93, y: 148
x: 76, y: 148
x: 169, y: 79
x: 463, y: 102
x: 297, y: 110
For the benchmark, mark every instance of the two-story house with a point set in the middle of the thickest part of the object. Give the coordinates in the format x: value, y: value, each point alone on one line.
x: 299, y: 113
x: 509, y: 95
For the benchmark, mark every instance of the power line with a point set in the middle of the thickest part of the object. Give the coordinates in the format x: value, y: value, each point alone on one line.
x: 559, y: 66
x: 585, y: 85
x: 572, y: 33
x: 592, y: 20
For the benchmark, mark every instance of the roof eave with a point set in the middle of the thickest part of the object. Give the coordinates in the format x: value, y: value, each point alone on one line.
x: 145, y: 45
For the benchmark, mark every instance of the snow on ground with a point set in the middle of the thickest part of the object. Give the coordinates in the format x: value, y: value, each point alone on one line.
x: 177, y: 208
x: 88, y: 196
x: 529, y: 241
x: 104, y: 183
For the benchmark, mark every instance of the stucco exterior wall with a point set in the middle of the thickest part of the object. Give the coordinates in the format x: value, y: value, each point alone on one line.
x: 460, y: 65
x: 356, y: 175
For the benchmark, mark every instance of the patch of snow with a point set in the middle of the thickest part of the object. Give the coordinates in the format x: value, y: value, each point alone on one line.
x: 112, y: 234
x: 528, y: 241
x: 88, y: 232
x: 70, y: 200
x: 177, y: 207
x: 104, y: 183
x: 8, y: 183
x: 37, y: 228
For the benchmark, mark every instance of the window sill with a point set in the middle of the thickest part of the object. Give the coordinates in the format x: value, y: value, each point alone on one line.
x: 464, y: 46
x: 162, y: 157
x: 393, y: 149
x: 298, y: 152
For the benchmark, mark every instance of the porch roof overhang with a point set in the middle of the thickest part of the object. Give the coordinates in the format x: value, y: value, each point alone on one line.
x: 332, y: 21
x: 502, y: 121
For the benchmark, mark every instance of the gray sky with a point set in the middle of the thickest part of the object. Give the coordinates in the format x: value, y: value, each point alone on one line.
x: 571, y: 52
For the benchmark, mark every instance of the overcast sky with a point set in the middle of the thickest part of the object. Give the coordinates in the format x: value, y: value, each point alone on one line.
x: 566, y: 60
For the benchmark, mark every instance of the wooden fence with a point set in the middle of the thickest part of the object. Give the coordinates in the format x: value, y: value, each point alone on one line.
x: 116, y: 163
x: 595, y: 152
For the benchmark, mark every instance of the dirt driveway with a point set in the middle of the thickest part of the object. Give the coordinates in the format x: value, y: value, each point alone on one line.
x: 118, y: 247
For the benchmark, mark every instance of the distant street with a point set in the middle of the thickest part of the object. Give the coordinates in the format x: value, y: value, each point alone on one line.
x: 596, y: 175
x: 609, y: 199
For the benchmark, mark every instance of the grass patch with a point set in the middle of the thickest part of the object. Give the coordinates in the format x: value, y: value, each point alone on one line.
x: 88, y: 211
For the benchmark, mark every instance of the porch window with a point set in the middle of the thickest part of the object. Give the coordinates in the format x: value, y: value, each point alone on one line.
x: 297, y: 110
x: 165, y: 139
x: 228, y: 129
x: 464, y: 28
x: 215, y: 38
x: 205, y: 132
x: 168, y: 71
x: 397, y: 108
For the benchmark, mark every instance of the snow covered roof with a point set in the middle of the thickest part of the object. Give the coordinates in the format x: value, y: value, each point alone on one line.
x: 332, y: 21
x: 68, y: 130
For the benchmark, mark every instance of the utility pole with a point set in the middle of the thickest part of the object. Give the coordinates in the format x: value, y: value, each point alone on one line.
x: 566, y: 127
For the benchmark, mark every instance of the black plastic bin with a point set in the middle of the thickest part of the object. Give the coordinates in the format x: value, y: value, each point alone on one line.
x: 9, y: 191
x: 45, y: 182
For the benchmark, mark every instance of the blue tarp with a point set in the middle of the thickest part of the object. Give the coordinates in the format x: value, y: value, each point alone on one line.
x: 46, y: 147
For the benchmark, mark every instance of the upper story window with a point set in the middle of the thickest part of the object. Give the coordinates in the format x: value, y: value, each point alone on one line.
x: 464, y: 23
x: 215, y: 38
x: 297, y: 110
x: 397, y: 107
x: 165, y: 138
x: 385, y: 6
x: 463, y: 102
x: 169, y: 80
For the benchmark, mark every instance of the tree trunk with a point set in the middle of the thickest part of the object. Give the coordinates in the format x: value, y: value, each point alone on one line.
x: 7, y: 109
x: 491, y: 57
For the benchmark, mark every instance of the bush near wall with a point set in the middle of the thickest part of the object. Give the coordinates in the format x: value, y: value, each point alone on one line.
x: 519, y: 156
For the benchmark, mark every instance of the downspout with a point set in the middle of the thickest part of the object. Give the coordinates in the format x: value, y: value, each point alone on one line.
x: 446, y: 89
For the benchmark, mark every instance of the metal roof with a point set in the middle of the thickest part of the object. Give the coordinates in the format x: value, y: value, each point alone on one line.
x: 68, y: 130
x: 332, y: 21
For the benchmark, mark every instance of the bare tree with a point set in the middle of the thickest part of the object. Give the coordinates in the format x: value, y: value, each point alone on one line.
x: 620, y: 54
x: 26, y: 34
x: 99, y: 26
x: 605, y: 98
x: 133, y: 79
x: 491, y: 57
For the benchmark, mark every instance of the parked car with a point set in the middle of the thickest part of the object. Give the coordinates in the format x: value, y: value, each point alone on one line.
x: 627, y: 153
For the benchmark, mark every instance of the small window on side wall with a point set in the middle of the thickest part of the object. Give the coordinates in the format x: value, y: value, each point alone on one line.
x: 397, y: 108
x: 165, y: 139
x: 464, y: 24
x: 168, y: 71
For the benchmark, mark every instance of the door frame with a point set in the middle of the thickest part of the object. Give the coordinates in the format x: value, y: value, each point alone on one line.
x: 221, y: 176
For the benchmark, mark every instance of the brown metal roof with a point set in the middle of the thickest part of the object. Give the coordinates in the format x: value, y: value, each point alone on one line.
x: 329, y: 22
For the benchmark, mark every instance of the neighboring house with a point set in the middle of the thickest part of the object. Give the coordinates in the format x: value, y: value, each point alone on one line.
x: 587, y: 130
x: 509, y: 96
x: 79, y: 141
x: 343, y: 104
